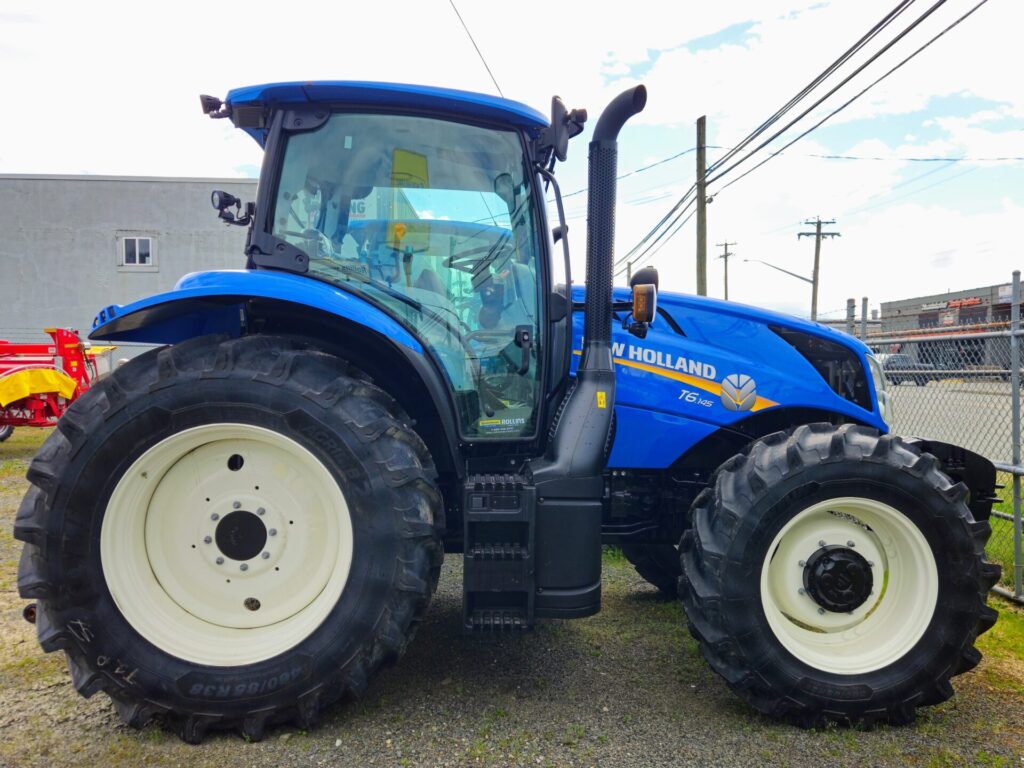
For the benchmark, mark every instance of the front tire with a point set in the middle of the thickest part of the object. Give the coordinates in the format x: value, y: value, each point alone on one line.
x: 657, y: 563
x: 833, y: 574
x: 5, y: 432
x: 229, y: 533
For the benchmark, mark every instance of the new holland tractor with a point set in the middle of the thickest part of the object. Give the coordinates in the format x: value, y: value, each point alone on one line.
x: 238, y: 527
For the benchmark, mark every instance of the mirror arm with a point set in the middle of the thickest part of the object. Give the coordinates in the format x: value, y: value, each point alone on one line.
x: 550, y: 178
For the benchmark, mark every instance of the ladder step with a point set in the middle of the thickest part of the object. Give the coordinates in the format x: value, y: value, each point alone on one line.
x: 509, y: 620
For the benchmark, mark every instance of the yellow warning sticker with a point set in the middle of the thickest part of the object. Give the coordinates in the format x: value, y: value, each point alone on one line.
x: 602, y: 399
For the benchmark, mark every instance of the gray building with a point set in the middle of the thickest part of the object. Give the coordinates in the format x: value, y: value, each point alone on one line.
x: 940, y: 329
x: 971, y: 307
x: 70, y: 245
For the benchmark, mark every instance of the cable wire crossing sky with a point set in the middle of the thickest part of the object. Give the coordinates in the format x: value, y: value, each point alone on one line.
x: 813, y: 109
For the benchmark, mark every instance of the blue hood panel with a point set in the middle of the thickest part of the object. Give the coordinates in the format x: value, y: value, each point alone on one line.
x: 674, y: 389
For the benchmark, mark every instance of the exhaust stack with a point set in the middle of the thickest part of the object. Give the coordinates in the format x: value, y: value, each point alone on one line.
x: 577, y: 449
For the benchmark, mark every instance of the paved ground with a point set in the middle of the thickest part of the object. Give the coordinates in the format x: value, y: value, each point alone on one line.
x: 974, y: 414
x: 624, y: 688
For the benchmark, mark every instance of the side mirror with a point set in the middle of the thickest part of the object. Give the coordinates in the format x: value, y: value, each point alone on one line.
x: 647, y: 275
x: 564, y: 125
x: 645, y: 301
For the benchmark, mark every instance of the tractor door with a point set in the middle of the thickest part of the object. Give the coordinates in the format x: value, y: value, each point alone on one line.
x: 435, y: 222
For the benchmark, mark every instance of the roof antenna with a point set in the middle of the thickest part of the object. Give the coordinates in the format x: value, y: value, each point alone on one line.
x: 478, y: 51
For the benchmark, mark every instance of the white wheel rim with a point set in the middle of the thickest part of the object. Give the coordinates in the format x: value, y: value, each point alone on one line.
x: 896, y: 613
x: 160, y: 544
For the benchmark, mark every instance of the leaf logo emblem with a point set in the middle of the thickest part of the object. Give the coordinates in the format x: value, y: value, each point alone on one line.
x: 739, y: 392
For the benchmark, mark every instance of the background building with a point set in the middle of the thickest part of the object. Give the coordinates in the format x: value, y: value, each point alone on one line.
x: 972, y: 307
x: 70, y: 245
x: 941, y: 327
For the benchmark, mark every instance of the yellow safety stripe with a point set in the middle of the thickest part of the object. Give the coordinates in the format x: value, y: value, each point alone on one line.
x: 694, y: 381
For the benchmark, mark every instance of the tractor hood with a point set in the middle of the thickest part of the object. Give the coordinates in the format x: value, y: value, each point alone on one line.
x: 707, y: 364
x: 680, y: 303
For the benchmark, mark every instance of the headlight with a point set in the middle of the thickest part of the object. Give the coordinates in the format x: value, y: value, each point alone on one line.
x: 878, y: 378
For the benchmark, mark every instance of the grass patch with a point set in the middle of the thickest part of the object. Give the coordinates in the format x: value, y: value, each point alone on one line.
x: 1000, y: 545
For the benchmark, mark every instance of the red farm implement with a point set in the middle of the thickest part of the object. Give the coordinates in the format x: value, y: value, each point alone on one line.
x: 39, y: 381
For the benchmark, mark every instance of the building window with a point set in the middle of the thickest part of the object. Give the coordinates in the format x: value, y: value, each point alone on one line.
x: 136, y: 252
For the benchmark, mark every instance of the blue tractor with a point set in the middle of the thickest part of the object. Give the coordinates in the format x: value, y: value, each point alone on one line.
x: 239, y: 527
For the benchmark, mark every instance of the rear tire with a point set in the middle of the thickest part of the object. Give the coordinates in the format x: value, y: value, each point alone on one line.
x: 657, y: 563
x: 229, y: 624
x: 5, y: 432
x: 770, y: 545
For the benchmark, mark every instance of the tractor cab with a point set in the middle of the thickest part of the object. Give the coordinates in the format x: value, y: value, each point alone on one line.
x: 426, y: 203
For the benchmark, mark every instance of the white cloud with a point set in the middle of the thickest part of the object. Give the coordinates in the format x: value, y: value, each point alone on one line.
x: 117, y: 94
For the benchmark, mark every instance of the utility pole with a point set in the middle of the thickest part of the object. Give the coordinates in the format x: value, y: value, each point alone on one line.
x: 726, y: 253
x: 863, y: 318
x: 702, y: 210
x: 817, y: 234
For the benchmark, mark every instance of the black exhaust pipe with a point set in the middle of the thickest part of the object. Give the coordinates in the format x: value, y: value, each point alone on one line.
x: 577, y: 451
x: 569, y: 479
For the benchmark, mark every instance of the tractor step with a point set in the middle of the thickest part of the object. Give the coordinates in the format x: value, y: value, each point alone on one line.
x: 498, y: 556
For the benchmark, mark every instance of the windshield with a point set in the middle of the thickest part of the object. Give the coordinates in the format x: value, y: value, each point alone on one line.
x: 433, y: 220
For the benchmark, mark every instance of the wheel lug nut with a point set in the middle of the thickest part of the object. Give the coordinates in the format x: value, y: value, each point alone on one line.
x: 207, y: 539
x: 850, y: 544
x: 801, y: 591
x: 870, y: 564
x: 265, y: 555
x: 244, y: 567
x: 821, y: 543
x: 802, y: 563
x: 821, y: 611
x: 236, y: 505
x: 272, y: 531
x: 215, y: 516
x: 261, y: 511
x: 220, y: 561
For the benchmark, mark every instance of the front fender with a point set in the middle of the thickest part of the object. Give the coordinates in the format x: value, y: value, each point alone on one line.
x: 213, y: 302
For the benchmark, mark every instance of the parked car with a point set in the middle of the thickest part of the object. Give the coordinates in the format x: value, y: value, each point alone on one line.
x: 900, y: 368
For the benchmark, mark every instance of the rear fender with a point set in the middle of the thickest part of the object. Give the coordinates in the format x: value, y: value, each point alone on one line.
x: 244, y: 302
x: 967, y: 467
x: 214, y: 302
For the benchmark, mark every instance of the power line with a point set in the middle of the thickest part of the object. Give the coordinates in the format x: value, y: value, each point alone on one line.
x: 832, y: 91
x: 635, y: 171
x: 667, y: 234
x: 878, y: 27
x: 478, y: 51
x: 922, y: 159
x: 820, y: 78
x: 913, y: 192
x: 843, y: 106
x: 679, y: 204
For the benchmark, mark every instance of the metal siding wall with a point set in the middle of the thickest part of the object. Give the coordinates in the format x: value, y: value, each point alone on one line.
x: 58, y: 257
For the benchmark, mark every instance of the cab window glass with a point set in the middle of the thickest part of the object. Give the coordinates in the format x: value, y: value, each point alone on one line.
x: 433, y: 220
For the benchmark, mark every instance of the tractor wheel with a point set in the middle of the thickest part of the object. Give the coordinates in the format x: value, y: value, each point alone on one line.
x: 657, y: 563
x: 5, y: 432
x: 833, y: 574
x: 229, y: 533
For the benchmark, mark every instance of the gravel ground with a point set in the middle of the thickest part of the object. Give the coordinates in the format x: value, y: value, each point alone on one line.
x: 624, y: 688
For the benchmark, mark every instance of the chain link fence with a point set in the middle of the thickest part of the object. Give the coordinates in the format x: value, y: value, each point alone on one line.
x: 962, y: 385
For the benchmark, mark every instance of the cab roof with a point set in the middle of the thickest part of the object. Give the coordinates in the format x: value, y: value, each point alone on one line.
x: 418, y: 97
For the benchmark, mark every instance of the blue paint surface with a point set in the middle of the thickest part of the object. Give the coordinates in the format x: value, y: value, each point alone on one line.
x: 417, y: 97
x: 202, y: 303
x: 660, y: 417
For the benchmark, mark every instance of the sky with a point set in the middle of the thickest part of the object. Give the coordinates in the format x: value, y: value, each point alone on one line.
x: 112, y: 88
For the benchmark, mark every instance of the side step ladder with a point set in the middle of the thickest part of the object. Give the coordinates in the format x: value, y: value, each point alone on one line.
x: 499, y: 558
